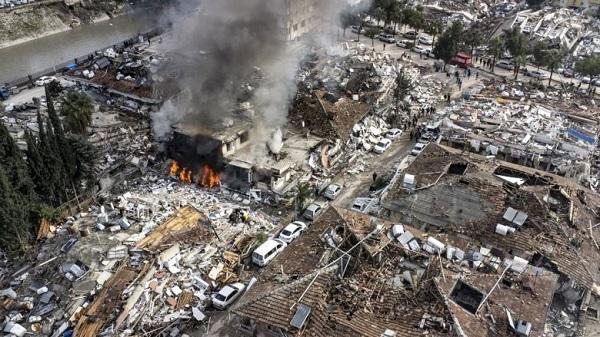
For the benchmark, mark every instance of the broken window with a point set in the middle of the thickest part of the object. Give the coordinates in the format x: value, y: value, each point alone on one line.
x: 457, y: 168
x: 466, y: 296
x: 592, y: 313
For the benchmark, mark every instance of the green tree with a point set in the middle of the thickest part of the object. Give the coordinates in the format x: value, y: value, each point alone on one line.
x: 372, y: 33
x: 54, y: 173
x: 303, y: 192
x: 63, y: 150
x: 540, y: 50
x: 37, y: 168
x: 404, y: 86
x: 396, y: 16
x: 589, y: 66
x: 19, y: 204
x: 434, y: 28
x: 519, y: 62
x: 15, y: 225
x: 554, y: 59
x: 473, y: 38
x: 379, y: 14
x: 414, y: 19
x: 448, y: 44
x: 15, y: 165
x: 516, y: 43
x: 85, y: 157
x: 495, y: 48
x: 77, y: 108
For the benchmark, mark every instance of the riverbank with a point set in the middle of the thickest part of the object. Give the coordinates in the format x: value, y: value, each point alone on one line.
x: 44, y: 54
x: 28, y: 24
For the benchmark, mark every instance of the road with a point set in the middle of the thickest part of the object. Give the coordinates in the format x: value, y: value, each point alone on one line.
x: 396, y: 51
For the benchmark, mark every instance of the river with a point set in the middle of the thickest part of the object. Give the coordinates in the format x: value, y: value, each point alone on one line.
x: 44, y: 53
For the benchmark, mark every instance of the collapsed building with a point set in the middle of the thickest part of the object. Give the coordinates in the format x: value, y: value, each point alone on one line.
x: 559, y: 138
x: 518, y: 219
x: 565, y: 28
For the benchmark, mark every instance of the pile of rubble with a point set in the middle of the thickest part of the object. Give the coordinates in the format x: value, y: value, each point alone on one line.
x: 501, y: 122
x: 349, y: 100
x: 145, y: 261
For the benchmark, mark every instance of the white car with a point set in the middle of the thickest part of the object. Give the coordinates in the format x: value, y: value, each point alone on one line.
x: 537, y: 74
x: 332, y: 191
x: 403, y: 43
x: 504, y: 64
x: 418, y: 148
x: 426, y: 40
x: 382, y: 146
x: 227, y: 295
x: 357, y: 30
x: 389, y: 38
x: 312, y: 212
x: 419, y: 49
x: 267, y: 251
x: 44, y: 80
x: 392, y: 134
x: 292, y: 231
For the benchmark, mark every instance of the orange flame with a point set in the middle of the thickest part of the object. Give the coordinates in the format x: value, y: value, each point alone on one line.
x: 206, y: 177
x: 185, y: 176
x: 174, y: 168
x: 209, y: 177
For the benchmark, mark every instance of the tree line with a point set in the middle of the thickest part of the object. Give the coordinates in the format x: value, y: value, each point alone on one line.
x: 457, y: 38
x: 34, y: 182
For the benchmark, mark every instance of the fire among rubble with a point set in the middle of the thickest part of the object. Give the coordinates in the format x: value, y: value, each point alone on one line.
x: 205, y: 176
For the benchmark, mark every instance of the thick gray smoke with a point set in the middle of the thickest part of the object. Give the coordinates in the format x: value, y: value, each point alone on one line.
x: 217, y: 46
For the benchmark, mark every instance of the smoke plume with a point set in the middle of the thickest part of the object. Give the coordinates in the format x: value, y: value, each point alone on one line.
x: 216, y: 46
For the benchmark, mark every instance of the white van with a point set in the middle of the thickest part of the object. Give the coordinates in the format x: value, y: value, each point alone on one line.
x: 267, y: 251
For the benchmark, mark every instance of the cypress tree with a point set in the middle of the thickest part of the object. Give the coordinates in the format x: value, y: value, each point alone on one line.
x: 64, y: 147
x: 52, y: 166
x: 15, y: 225
x: 37, y: 168
x: 15, y: 166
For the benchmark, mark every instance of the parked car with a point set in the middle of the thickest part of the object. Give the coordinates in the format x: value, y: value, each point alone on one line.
x: 410, y: 35
x: 404, y: 43
x: 227, y: 295
x: 504, y: 64
x: 267, y: 251
x: 371, y: 23
x: 537, y: 74
x: 429, y: 53
x: 332, y: 191
x: 419, y: 49
x: 292, y: 231
x: 418, y: 148
x: 393, y: 134
x: 382, y: 146
x: 569, y: 73
x: 312, y: 211
x: 45, y: 80
x: 426, y: 40
x: 388, y: 38
x: 357, y: 30
x: 585, y: 79
x: 390, y: 30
